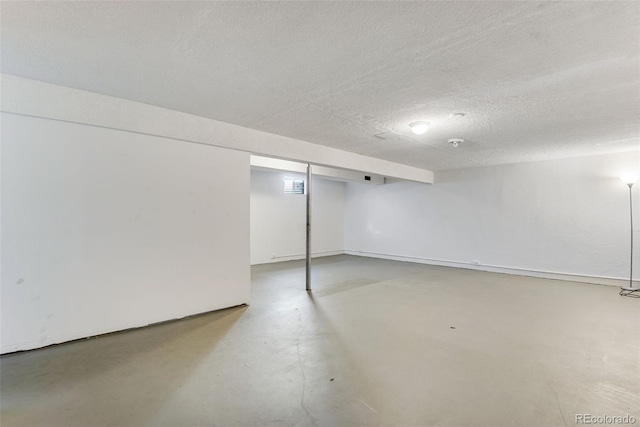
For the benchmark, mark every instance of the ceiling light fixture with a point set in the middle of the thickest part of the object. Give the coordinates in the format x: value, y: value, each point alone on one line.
x: 419, y: 127
x: 457, y: 115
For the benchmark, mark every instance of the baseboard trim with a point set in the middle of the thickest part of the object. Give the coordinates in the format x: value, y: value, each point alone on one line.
x: 598, y: 280
x: 295, y: 257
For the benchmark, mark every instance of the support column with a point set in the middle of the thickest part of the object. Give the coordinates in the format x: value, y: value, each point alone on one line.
x: 308, y: 191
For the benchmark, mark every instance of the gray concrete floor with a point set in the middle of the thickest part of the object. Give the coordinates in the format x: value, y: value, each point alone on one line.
x: 378, y: 343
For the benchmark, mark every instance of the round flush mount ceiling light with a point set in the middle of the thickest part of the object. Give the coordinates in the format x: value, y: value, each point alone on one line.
x: 419, y: 127
x: 457, y: 115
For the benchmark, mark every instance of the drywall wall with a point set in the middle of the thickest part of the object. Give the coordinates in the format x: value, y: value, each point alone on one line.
x: 34, y: 98
x: 564, y: 218
x: 278, y: 220
x: 104, y: 230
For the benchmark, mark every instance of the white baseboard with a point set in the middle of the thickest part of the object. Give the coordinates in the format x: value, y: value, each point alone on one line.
x: 295, y: 257
x: 598, y: 280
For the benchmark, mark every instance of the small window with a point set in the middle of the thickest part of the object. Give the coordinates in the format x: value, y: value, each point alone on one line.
x: 293, y: 186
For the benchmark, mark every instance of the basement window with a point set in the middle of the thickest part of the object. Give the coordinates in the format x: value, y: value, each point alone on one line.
x: 293, y: 186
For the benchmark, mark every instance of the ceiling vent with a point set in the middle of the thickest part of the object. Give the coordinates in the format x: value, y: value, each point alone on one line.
x: 456, y: 141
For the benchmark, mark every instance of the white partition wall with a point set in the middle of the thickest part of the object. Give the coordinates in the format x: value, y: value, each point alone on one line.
x: 104, y: 230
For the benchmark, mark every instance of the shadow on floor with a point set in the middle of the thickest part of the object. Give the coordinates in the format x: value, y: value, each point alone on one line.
x: 123, y: 377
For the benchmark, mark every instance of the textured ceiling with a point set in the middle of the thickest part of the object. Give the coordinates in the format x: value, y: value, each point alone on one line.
x: 537, y: 80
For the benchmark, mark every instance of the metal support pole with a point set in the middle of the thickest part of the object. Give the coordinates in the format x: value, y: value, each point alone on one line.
x: 630, y: 288
x: 308, y: 278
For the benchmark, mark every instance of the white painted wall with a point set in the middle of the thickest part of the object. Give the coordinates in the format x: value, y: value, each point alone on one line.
x: 278, y: 220
x: 568, y: 216
x: 104, y: 230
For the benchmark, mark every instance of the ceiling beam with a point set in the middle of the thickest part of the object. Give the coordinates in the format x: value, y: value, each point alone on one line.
x: 39, y: 99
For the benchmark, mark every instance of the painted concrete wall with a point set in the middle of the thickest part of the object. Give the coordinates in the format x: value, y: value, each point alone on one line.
x: 278, y: 220
x: 567, y: 216
x: 104, y: 230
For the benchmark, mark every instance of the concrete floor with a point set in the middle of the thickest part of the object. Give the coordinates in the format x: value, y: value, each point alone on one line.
x: 378, y: 343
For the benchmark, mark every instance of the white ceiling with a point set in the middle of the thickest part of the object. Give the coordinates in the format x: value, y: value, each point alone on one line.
x: 537, y: 80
